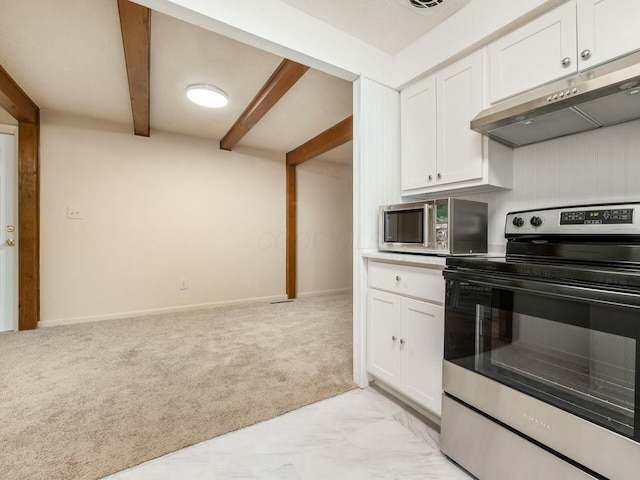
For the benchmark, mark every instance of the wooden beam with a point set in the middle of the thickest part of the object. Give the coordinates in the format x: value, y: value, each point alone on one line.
x: 331, y: 138
x: 28, y: 225
x: 292, y: 249
x: 285, y: 76
x: 135, y: 24
x: 21, y: 107
x: 15, y: 101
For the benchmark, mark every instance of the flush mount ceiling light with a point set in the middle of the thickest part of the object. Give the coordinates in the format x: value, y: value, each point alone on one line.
x: 425, y: 3
x: 207, y: 95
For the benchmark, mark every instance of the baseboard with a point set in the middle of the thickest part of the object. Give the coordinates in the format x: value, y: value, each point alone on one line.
x: 141, y: 313
x: 426, y: 413
x: 322, y: 293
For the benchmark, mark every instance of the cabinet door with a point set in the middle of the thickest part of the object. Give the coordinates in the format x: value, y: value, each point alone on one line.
x: 533, y: 54
x: 418, y: 134
x: 459, y: 99
x: 383, y: 336
x: 422, y: 352
x: 607, y: 29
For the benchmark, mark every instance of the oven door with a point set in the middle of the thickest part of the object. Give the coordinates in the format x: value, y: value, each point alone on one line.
x: 571, y: 347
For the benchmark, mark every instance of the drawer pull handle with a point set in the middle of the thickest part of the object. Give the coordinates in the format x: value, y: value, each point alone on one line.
x: 394, y: 338
x: 398, y: 278
x: 402, y: 341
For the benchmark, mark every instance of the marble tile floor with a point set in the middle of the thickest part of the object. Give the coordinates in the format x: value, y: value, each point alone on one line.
x: 359, y: 435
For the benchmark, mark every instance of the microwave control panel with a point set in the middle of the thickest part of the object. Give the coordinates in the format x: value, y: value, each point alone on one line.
x: 442, y: 225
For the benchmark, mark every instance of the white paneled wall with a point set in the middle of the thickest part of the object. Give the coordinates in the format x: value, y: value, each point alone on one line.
x: 376, y: 174
x: 598, y: 166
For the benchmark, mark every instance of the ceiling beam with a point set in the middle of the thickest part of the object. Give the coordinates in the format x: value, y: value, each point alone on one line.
x: 280, y: 82
x: 331, y: 138
x: 135, y: 24
x: 15, y: 101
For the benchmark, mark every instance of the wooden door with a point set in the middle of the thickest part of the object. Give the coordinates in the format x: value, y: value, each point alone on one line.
x: 7, y: 233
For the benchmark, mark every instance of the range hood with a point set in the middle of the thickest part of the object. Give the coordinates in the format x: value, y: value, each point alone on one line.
x: 598, y: 97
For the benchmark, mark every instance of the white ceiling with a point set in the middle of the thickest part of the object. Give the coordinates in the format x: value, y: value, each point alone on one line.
x: 389, y: 25
x: 67, y: 55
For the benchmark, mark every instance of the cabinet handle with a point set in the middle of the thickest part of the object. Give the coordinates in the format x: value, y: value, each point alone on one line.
x: 586, y: 54
x: 394, y: 338
x: 402, y: 341
x: 566, y: 61
x: 439, y: 175
x: 398, y: 278
x: 430, y: 177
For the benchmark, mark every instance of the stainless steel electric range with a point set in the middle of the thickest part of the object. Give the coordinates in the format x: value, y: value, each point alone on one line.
x: 542, y: 349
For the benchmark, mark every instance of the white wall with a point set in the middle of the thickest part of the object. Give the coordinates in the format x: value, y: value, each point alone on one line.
x: 598, y: 166
x: 325, y: 226
x: 376, y: 172
x: 155, y: 210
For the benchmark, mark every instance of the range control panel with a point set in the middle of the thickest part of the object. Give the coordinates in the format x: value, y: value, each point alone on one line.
x: 611, y: 219
x: 597, y: 217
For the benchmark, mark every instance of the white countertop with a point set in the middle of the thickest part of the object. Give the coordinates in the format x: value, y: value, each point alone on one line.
x: 429, y: 261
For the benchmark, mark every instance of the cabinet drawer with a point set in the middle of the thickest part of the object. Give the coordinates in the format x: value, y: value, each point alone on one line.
x: 424, y: 283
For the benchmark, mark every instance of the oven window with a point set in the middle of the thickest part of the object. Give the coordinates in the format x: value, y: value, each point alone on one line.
x: 404, y: 226
x: 581, y: 357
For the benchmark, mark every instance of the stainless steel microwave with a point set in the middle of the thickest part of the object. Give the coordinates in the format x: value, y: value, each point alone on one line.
x: 446, y: 226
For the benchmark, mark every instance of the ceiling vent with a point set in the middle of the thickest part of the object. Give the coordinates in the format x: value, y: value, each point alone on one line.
x: 425, y: 3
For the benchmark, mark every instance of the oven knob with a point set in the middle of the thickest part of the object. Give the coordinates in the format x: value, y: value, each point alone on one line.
x: 518, y: 221
x: 536, y: 221
x: 442, y: 234
x: 442, y: 245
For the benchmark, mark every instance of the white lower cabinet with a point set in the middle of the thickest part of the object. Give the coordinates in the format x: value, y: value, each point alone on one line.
x: 405, y: 337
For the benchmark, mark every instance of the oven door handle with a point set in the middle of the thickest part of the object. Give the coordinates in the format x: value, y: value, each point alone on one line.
x: 591, y: 294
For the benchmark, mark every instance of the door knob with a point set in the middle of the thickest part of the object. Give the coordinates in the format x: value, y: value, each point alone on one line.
x: 9, y: 242
x: 586, y: 54
x: 402, y: 341
x: 566, y: 61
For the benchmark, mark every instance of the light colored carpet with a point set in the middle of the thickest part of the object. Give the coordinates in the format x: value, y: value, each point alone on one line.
x: 84, y: 401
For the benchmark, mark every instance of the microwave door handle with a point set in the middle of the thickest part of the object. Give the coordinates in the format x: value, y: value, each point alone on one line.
x: 428, y: 225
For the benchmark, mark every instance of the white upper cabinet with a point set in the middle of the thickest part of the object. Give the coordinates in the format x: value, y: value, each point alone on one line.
x: 418, y: 133
x: 577, y: 35
x: 439, y: 150
x: 459, y: 99
x: 607, y: 29
x: 536, y: 53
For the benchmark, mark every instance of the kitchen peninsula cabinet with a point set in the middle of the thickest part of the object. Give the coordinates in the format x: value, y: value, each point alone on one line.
x: 573, y: 37
x: 405, y: 331
x: 439, y: 151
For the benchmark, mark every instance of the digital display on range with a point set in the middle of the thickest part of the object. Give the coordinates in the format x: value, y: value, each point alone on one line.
x: 597, y: 217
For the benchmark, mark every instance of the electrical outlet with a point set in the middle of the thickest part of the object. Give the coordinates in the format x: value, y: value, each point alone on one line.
x: 74, y: 213
x: 184, y: 284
